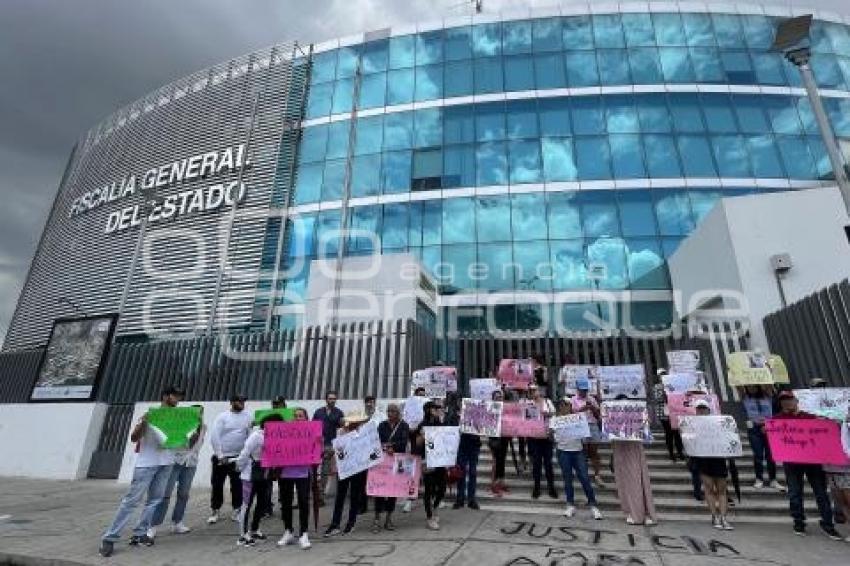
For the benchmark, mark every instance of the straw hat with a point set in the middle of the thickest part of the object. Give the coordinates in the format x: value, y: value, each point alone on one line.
x: 356, y: 417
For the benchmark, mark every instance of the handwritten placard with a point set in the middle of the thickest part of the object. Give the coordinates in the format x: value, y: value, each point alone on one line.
x: 294, y: 443
x: 714, y: 436
x: 570, y: 427
x: 523, y: 419
x: 395, y: 476
x: 176, y: 423
x: 413, y: 410
x: 481, y: 417
x: 516, y: 374
x: 626, y: 420
x: 436, y: 381
x: 684, y: 381
x: 483, y: 388
x: 684, y: 404
x: 357, y: 450
x: 805, y: 441
x: 683, y: 360
x: 570, y: 374
x: 627, y: 380
x: 441, y: 444
x: 830, y: 402
x: 755, y: 368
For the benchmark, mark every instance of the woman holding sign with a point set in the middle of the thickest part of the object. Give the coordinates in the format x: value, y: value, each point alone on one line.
x: 631, y: 473
x: 394, y: 434
x: 295, y: 478
x: 255, y: 483
x: 571, y: 458
x: 499, y: 449
x: 713, y: 473
x: 434, y: 479
x: 541, y: 448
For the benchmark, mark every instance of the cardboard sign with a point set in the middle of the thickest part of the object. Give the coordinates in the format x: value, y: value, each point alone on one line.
x: 831, y: 402
x: 684, y: 381
x: 516, y: 374
x: 682, y: 404
x: 626, y: 420
x: 395, y: 476
x: 805, y: 441
x: 295, y: 443
x: 436, y: 381
x: 413, y: 411
x: 682, y: 360
x: 570, y: 374
x: 750, y: 368
x: 483, y: 388
x: 480, y: 417
x: 357, y: 450
x: 287, y: 414
x: 176, y: 423
x: 441, y: 444
x: 570, y: 427
x: 622, y: 380
x: 523, y: 420
x: 714, y: 436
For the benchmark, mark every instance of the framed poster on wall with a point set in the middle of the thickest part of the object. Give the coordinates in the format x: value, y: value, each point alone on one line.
x: 73, y: 360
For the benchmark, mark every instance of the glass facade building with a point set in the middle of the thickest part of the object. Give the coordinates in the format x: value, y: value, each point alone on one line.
x: 555, y: 156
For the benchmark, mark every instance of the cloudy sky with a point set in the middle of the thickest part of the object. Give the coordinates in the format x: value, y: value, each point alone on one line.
x: 65, y: 64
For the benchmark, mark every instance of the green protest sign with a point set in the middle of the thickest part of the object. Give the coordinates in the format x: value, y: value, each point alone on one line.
x: 176, y: 423
x: 260, y: 414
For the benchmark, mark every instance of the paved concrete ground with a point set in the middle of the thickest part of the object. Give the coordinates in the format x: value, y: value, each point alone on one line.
x: 59, y: 523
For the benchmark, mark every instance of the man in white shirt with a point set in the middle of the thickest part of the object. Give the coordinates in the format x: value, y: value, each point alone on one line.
x: 150, y: 476
x: 227, y: 436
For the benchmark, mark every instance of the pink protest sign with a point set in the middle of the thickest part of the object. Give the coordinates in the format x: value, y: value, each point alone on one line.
x: 516, y: 374
x: 294, y: 443
x: 396, y: 476
x: 682, y: 405
x: 805, y: 441
x: 523, y: 419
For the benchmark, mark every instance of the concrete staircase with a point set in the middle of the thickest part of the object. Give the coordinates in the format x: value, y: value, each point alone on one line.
x: 671, y: 488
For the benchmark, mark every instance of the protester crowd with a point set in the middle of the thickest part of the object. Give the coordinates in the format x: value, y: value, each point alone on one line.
x: 237, y: 439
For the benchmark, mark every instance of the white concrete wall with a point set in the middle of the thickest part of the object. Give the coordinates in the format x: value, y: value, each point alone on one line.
x: 49, y: 440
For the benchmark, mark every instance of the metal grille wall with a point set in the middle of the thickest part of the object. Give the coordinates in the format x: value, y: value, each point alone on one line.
x: 78, y: 268
x: 18, y: 371
x: 813, y: 336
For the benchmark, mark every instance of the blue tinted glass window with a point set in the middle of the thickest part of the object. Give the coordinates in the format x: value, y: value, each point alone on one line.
x: 429, y: 83
x: 673, y: 211
x: 696, y: 156
x: 458, y: 124
x: 395, y: 227
x: 546, y: 34
x: 327, y: 233
x: 487, y: 40
x: 333, y: 180
x: 796, y: 157
x: 458, y: 79
x: 636, y: 213
x: 609, y: 256
x: 429, y: 47
x: 554, y: 116
x: 750, y: 114
x: 730, y: 153
x: 522, y: 119
x: 838, y: 110
x: 369, y: 137
x: 792, y: 73
x: 365, y: 229
x: 430, y: 257
x: 702, y: 201
x: 309, y: 183
x: 578, y: 33
x: 564, y: 215
x: 827, y: 72
x: 373, y: 91
x: 738, y: 68
x: 402, y: 52
x: 488, y: 75
x: 365, y: 175
x: 524, y: 161
x: 432, y: 222
x: 491, y: 164
x: 581, y: 68
x: 593, y: 158
x: 549, y: 71
x: 338, y: 136
x: 427, y: 127
x: 400, y: 86
x: 759, y: 31
x: 375, y: 56
x: 453, y: 274
x: 653, y: 113
x: 668, y: 30
x: 765, y: 157
x: 516, y: 37
x: 621, y: 115
x: 839, y: 37
x: 647, y: 269
x: 638, y: 30
x: 527, y: 219
x: 698, y: 30
x: 415, y: 222
x: 519, y: 73
x: 533, y: 270
x: 727, y: 29
x: 458, y: 43
x: 613, y: 67
x: 346, y: 63
x: 823, y: 168
x: 427, y: 169
x: 685, y: 111
x: 319, y: 100
x: 662, y: 159
x: 707, y: 66
x: 498, y: 275
x: 302, y: 230
x: 458, y: 220
x: 396, y: 172
x: 398, y: 130
x: 651, y: 313
x: 645, y: 65
x: 490, y: 122
x: 343, y: 91
x: 807, y: 116
x: 458, y: 166
x: 588, y: 115
x: 559, y: 160
x: 493, y: 218
x: 626, y: 156
x: 782, y: 114
x: 768, y: 68
x: 607, y: 31
x: 569, y: 268
x: 719, y: 116
x: 314, y: 142
x: 324, y: 67
x: 676, y: 65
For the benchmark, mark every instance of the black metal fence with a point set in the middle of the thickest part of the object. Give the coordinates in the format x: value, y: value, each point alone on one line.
x: 813, y: 336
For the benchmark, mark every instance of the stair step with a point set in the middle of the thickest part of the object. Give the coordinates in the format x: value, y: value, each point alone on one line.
x: 524, y: 486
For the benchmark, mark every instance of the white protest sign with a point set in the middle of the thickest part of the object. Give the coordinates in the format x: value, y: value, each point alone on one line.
x: 682, y: 360
x: 829, y: 402
x: 570, y: 427
x: 570, y: 374
x: 483, y: 388
x: 710, y: 436
x: 625, y: 380
x: 433, y: 380
x: 441, y: 443
x: 358, y: 450
x: 413, y: 411
x: 684, y: 381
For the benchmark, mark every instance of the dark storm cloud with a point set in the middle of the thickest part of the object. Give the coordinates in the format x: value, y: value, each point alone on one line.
x: 65, y: 64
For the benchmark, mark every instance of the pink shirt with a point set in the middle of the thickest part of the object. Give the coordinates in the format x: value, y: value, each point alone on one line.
x: 579, y: 404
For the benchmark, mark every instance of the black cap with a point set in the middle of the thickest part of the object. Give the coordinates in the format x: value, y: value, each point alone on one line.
x: 173, y: 390
x: 237, y: 397
x: 278, y: 399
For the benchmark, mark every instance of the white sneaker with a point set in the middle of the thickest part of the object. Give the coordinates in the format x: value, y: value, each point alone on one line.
x: 406, y: 507
x: 758, y: 484
x: 433, y: 525
x: 287, y: 539
x: 570, y: 511
x: 213, y: 518
x: 777, y: 486
x: 649, y: 522
x: 151, y: 532
x: 629, y: 520
x: 235, y: 515
x: 180, y: 528
x: 597, y: 514
x: 304, y: 542
x: 724, y: 524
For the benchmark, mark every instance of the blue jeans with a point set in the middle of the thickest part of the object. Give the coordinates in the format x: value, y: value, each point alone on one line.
x: 467, y: 458
x: 182, y: 476
x: 151, y: 481
x: 575, y: 461
x: 761, y: 453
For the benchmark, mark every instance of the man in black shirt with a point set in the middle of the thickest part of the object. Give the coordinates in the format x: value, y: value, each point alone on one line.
x: 331, y: 418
